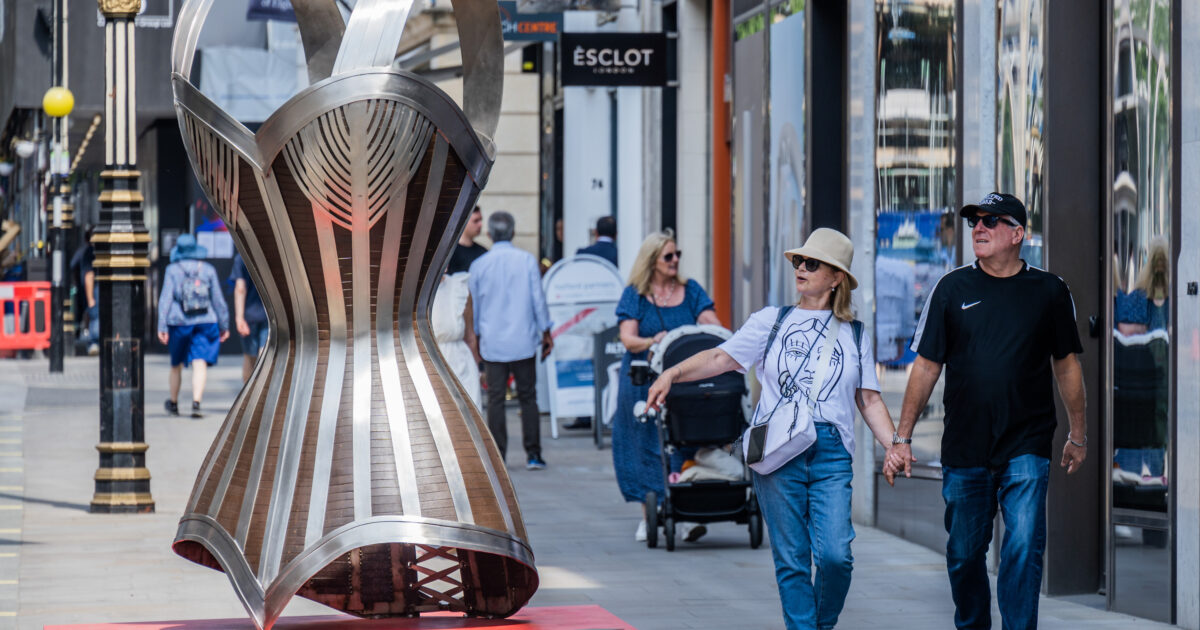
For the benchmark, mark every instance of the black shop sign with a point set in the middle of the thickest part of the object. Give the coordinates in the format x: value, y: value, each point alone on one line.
x: 614, y: 59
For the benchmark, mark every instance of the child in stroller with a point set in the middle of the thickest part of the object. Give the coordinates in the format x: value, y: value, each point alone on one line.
x: 703, y: 417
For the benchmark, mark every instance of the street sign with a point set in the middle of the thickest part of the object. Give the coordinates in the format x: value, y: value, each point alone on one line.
x: 614, y: 59
x: 528, y: 27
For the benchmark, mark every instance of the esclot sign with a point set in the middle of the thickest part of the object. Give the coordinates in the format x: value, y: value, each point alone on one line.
x: 637, y: 59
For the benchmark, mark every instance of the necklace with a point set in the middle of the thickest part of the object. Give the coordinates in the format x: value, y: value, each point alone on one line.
x: 659, y: 298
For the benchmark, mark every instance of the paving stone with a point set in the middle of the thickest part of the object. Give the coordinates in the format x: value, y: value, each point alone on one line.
x: 76, y: 567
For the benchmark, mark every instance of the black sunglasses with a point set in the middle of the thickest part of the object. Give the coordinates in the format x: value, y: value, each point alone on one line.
x: 810, y: 264
x: 990, y: 221
x: 671, y: 256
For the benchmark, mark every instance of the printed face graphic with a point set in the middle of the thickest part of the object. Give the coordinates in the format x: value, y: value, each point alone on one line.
x: 799, y: 356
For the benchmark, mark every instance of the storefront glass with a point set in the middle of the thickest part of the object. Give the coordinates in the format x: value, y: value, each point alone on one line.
x: 1141, y: 288
x: 915, y: 188
x: 1020, y: 114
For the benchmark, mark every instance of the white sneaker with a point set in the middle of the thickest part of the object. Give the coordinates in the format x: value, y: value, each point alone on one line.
x: 640, y: 536
x: 691, y: 532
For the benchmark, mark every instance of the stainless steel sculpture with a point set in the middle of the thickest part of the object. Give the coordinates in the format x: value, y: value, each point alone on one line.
x: 352, y: 469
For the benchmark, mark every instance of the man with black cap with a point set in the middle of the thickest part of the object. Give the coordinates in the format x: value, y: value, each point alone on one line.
x: 1002, y: 329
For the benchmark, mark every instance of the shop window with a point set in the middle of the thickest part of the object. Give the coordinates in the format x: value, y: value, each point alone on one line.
x: 915, y: 199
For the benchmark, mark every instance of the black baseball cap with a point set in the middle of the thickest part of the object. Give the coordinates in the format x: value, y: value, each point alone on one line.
x: 998, y: 203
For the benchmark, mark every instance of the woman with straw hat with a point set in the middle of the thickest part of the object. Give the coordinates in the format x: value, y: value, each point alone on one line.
x: 814, y: 372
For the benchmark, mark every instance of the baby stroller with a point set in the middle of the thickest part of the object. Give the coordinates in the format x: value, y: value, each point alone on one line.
x: 706, y: 413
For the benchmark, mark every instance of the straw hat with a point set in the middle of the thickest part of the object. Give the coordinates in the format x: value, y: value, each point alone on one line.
x: 830, y: 247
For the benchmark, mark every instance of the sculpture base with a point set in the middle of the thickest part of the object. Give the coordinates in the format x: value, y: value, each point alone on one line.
x: 545, y: 618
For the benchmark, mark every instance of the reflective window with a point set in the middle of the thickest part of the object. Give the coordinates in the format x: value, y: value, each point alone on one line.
x: 1020, y: 119
x: 1141, y: 271
x: 915, y: 177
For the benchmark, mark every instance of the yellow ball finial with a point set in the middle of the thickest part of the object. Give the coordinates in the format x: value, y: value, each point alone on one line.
x: 58, y: 102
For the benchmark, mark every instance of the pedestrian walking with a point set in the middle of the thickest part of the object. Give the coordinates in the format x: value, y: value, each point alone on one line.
x: 82, y: 265
x: 249, y: 316
x: 605, y: 245
x: 815, y: 366
x: 454, y: 329
x: 467, y: 250
x: 1002, y: 329
x: 658, y: 299
x: 193, y: 319
x: 511, y: 319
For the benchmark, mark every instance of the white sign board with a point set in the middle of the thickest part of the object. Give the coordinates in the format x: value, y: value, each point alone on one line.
x: 582, y: 294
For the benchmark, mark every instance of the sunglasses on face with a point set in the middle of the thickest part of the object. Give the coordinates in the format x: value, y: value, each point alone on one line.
x: 990, y: 221
x: 672, y: 256
x: 810, y: 264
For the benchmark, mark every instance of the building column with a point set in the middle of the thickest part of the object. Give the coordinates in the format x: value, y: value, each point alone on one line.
x: 121, y: 242
x: 860, y: 207
x: 1187, y: 326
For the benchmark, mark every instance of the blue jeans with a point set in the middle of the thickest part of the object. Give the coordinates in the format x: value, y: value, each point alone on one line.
x: 806, y: 506
x: 972, y: 496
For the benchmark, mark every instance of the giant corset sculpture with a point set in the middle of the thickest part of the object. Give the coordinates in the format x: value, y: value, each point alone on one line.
x: 353, y: 469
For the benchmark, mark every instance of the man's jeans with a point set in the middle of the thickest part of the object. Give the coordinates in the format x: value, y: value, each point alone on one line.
x: 806, y: 506
x: 972, y: 496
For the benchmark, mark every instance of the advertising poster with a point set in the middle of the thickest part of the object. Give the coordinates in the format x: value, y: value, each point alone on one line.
x: 582, y: 294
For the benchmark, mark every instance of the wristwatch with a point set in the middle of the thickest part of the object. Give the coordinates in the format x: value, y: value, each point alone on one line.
x: 896, y: 439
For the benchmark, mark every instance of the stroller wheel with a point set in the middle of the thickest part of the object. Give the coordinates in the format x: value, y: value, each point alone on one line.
x: 651, y: 506
x: 755, y: 524
x: 669, y: 533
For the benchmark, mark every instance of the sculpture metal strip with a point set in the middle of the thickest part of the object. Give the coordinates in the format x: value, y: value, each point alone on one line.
x: 352, y: 468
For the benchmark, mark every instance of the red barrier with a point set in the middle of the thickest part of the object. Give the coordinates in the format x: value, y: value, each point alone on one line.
x: 24, y: 315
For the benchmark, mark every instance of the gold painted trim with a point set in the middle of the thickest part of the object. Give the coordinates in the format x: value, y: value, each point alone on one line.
x: 123, y: 474
x: 120, y: 174
x: 109, y: 261
x: 121, y: 196
x: 121, y: 237
x: 123, y: 498
x: 119, y: 278
x: 122, y: 447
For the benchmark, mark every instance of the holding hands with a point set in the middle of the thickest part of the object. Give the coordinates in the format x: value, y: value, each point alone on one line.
x: 899, y: 459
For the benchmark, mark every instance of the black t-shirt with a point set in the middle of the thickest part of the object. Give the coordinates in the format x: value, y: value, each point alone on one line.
x: 462, y: 257
x: 996, y: 337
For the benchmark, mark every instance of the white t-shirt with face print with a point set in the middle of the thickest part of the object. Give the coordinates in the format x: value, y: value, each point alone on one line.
x: 794, y: 354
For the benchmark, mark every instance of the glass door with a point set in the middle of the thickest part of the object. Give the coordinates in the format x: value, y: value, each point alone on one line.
x: 1140, y: 449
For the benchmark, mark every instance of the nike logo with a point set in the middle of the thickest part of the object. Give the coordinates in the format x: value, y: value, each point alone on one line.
x: 966, y: 306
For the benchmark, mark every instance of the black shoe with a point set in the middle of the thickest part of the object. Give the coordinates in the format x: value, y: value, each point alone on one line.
x: 171, y: 406
x: 196, y: 409
x: 535, y: 462
x: 579, y: 423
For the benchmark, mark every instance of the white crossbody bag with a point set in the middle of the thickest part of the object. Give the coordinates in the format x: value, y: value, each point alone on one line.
x: 776, y: 440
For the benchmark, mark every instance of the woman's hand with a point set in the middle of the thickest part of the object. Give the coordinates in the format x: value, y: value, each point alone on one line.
x: 658, y: 391
x: 899, y: 459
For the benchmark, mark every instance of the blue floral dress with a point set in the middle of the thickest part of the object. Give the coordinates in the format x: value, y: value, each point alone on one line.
x: 635, y: 445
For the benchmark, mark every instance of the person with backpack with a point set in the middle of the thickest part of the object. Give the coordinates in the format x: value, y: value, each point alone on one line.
x: 193, y: 319
x: 815, y: 366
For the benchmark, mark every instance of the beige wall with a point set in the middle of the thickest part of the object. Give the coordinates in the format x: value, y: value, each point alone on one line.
x: 513, y: 184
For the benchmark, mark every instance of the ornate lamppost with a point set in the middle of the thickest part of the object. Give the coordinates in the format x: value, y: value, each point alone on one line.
x: 121, y: 242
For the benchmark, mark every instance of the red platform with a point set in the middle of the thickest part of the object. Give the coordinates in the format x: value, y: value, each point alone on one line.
x: 547, y: 618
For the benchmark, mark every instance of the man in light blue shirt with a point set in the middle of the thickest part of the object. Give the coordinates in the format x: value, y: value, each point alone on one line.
x: 511, y: 319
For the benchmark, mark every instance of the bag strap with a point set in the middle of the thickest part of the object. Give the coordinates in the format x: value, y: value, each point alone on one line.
x: 783, y: 313
x: 823, y: 359
x: 858, y: 326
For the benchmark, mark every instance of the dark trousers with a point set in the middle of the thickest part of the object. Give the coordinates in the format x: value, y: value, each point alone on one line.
x: 524, y: 372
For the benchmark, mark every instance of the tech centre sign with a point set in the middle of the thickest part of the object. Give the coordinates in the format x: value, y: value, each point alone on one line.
x: 614, y: 59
